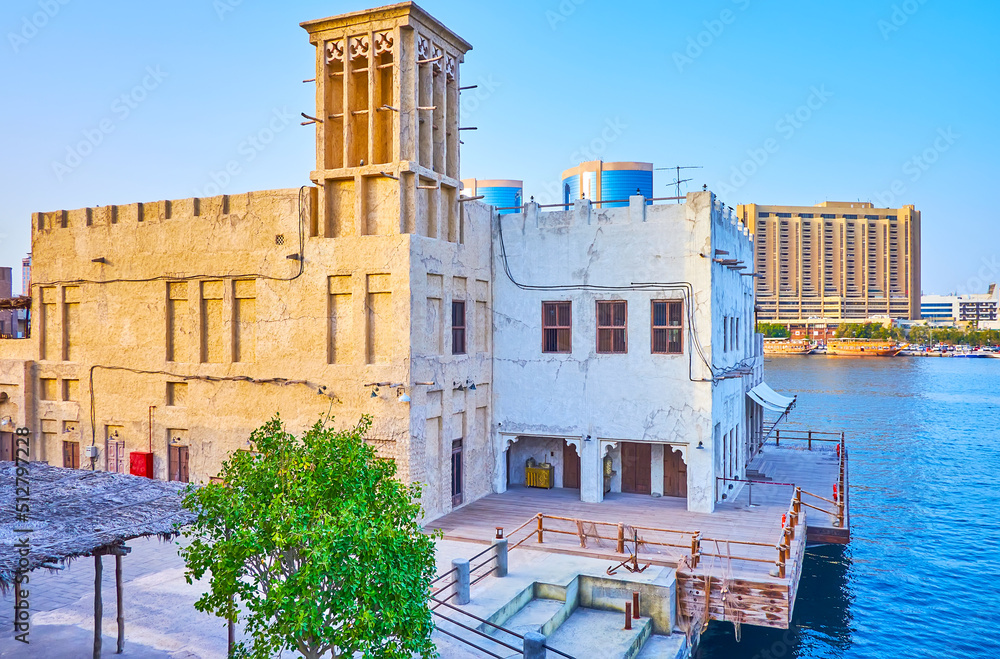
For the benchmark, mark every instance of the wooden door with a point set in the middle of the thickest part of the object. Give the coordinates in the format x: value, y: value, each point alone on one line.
x: 7, y: 446
x: 675, y: 481
x: 456, y: 473
x: 178, y: 464
x: 637, y: 477
x: 571, y: 467
x: 71, y: 455
x: 115, y: 454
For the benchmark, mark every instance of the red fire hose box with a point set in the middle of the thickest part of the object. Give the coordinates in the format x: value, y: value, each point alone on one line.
x: 141, y: 464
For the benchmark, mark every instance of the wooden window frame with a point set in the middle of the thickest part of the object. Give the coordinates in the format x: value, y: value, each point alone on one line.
x: 457, y: 476
x: 557, y: 327
x: 459, y: 330
x: 74, y: 456
x: 653, y: 327
x: 624, y: 328
x: 183, y: 474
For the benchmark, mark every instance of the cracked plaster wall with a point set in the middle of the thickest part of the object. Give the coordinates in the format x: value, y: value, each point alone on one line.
x: 637, y: 396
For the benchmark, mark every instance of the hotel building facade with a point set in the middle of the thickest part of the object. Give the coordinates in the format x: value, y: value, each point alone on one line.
x: 840, y: 261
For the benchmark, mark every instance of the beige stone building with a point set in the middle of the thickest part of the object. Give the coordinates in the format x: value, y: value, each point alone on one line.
x: 166, y: 331
x: 176, y: 327
x: 835, y: 260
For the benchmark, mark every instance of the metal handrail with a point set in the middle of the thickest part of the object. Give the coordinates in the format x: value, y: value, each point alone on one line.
x: 498, y: 627
x: 476, y: 631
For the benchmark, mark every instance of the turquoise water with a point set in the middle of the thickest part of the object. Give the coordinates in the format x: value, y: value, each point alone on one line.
x: 921, y: 576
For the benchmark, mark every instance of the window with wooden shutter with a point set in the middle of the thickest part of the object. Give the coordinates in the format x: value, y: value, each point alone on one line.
x: 177, y: 464
x: 71, y: 455
x: 458, y: 327
x: 457, y: 477
x: 667, y: 327
x: 612, y: 327
x: 557, y: 327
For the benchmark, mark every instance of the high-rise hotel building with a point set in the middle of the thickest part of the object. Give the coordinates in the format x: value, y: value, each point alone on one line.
x: 836, y: 260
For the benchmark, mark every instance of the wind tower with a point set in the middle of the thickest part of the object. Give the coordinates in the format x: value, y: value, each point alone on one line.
x: 387, y: 130
x: 408, y: 258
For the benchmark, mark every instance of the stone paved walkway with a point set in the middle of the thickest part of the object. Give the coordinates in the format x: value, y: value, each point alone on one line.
x: 160, y: 619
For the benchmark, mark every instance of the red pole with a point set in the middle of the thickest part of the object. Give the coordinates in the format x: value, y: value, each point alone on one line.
x: 635, y: 605
x: 628, y: 615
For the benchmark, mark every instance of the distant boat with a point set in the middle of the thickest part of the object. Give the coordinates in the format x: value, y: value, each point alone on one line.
x: 863, y: 347
x: 787, y: 347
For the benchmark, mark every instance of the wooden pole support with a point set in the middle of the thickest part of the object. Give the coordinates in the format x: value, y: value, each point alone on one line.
x: 540, y: 522
x: 695, y: 548
x: 98, y: 604
x: 621, y: 538
x: 798, y: 501
x: 118, y: 600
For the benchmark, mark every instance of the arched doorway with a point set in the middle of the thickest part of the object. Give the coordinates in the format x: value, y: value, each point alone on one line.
x: 674, y: 473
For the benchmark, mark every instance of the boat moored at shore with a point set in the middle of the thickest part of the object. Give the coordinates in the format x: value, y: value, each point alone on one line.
x: 863, y: 348
x: 787, y: 347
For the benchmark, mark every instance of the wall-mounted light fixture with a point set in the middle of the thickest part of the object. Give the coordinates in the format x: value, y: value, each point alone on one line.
x: 587, y: 438
x: 402, y: 395
x: 100, y: 260
x: 471, y: 385
x: 700, y: 445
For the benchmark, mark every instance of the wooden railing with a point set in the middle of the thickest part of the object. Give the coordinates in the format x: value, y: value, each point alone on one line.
x: 839, y: 499
x: 625, y: 538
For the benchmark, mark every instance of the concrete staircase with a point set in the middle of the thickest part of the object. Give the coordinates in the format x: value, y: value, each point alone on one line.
x: 582, y: 633
x: 758, y: 469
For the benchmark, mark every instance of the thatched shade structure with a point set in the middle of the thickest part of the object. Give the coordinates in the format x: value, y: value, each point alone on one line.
x: 74, y: 513
x: 20, y: 302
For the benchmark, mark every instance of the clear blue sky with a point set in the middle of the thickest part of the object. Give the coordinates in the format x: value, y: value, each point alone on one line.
x: 708, y: 83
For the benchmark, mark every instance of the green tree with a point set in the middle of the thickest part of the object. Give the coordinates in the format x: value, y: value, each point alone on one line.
x: 772, y: 330
x: 313, y: 545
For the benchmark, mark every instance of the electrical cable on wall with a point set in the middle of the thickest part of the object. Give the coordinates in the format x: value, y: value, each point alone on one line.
x: 687, y: 292
x: 320, y: 389
x: 300, y: 258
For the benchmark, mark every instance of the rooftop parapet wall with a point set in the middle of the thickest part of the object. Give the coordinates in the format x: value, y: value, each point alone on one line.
x: 177, y: 238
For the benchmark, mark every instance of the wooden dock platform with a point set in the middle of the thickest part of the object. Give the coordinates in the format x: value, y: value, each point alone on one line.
x: 745, y: 555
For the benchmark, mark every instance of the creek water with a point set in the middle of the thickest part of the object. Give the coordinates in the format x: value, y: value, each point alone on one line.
x: 921, y: 575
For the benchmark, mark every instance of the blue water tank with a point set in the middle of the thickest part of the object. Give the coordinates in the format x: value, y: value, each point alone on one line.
x: 499, y: 193
x: 614, y: 182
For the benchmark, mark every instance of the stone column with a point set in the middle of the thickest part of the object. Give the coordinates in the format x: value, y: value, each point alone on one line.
x: 591, y: 471
x: 656, y: 471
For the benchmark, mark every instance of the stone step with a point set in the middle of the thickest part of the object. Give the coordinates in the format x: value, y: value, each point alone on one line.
x: 535, y: 613
x: 665, y: 647
x: 588, y: 629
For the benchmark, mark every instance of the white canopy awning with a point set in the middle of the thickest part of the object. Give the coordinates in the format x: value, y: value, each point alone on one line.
x: 770, y: 399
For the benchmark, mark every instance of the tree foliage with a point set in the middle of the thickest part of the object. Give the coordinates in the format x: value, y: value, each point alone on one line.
x: 313, y: 545
x: 954, y: 336
x: 869, y: 331
x: 773, y: 330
